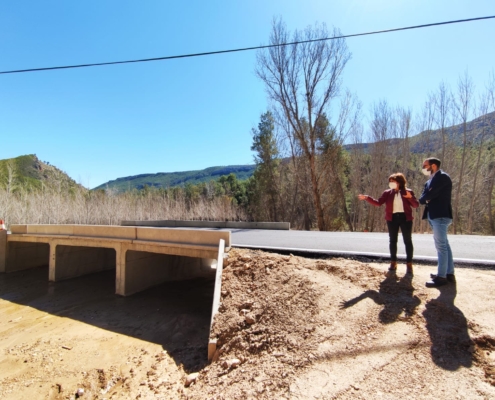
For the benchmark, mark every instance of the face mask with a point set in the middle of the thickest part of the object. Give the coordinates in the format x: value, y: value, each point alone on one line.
x: 426, y: 172
x: 392, y: 185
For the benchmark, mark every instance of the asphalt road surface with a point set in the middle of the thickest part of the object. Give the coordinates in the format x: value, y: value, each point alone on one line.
x: 465, y: 248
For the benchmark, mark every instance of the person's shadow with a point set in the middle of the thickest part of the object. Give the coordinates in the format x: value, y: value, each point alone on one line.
x: 451, y: 345
x: 395, y: 295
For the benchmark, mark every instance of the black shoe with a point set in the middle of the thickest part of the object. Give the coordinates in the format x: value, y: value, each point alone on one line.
x: 450, y: 277
x: 436, y: 282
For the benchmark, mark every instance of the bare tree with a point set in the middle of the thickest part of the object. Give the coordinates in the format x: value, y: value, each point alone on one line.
x: 404, y: 131
x: 426, y: 121
x: 10, y: 179
x: 443, y: 102
x: 490, y: 90
x: 381, y: 131
x: 357, y: 175
x: 463, y: 105
x: 303, y: 78
x: 331, y: 171
x: 484, y: 128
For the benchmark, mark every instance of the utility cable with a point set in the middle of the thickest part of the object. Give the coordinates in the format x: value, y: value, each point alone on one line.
x: 247, y: 48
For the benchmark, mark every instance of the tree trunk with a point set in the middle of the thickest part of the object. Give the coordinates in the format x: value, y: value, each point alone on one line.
x: 457, y: 226
x: 491, y: 184
x: 316, y: 194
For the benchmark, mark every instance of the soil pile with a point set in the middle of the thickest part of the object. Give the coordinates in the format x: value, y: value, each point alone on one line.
x: 265, y: 329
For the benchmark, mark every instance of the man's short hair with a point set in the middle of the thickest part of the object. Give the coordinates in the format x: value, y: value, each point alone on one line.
x: 433, y: 160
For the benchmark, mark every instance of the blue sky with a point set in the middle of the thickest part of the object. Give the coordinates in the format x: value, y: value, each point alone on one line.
x: 102, y: 123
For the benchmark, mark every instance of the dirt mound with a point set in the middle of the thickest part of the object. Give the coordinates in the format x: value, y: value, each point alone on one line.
x: 265, y: 328
x: 485, y: 356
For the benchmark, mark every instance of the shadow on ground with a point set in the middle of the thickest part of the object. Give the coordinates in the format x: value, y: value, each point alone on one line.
x: 175, y: 315
x: 396, y: 296
x: 448, y: 330
x: 451, y: 345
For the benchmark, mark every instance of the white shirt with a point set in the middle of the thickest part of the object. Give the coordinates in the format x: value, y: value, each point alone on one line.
x: 398, y: 205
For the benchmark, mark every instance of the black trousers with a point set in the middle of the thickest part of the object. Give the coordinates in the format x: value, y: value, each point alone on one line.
x: 399, y: 221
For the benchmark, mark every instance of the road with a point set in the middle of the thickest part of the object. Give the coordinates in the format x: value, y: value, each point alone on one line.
x: 466, y: 248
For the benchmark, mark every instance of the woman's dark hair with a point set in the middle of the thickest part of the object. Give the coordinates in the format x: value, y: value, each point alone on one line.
x: 400, y: 179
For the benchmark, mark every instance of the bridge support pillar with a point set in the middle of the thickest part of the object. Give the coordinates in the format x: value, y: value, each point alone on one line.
x: 3, y: 250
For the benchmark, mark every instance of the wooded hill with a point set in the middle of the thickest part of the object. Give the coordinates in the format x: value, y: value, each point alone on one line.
x: 29, y: 171
x: 171, y: 179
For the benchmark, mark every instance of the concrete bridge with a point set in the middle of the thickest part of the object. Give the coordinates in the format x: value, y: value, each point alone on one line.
x: 142, y: 256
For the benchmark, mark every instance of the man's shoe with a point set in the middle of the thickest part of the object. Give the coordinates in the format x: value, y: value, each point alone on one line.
x: 450, y: 277
x: 436, y: 282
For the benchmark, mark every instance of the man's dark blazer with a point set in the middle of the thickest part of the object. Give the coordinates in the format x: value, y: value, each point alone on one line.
x: 437, y: 195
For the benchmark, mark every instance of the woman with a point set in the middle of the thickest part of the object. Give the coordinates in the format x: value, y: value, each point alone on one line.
x: 399, y: 202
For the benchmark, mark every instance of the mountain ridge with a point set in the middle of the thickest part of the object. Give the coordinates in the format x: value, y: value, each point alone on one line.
x: 178, y: 178
x: 31, y: 171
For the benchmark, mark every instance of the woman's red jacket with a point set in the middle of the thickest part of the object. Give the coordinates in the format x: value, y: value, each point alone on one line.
x: 387, y: 197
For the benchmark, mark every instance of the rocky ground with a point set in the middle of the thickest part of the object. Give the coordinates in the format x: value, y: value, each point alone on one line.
x: 288, y: 327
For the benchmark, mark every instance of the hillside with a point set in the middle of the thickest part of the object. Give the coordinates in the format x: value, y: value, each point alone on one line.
x: 432, y: 140
x: 169, y: 179
x: 29, y: 171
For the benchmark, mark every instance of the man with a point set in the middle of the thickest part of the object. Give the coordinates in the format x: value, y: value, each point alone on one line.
x: 437, y: 196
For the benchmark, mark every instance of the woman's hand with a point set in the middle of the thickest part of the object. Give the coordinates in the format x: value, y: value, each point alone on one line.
x: 408, y: 195
x: 362, y: 196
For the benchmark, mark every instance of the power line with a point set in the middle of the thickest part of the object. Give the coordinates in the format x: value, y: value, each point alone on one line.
x: 246, y: 48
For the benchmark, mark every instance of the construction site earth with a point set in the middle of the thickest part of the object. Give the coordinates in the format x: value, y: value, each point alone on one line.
x: 286, y: 327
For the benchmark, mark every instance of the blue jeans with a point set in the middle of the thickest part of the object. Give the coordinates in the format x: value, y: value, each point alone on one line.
x: 440, y: 227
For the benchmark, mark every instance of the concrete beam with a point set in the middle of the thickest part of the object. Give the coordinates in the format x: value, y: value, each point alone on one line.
x: 212, y: 342
x: 258, y: 225
x: 18, y: 229
x: 192, y: 237
x: 106, y: 231
x: 210, y: 224
x: 183, y: 236
x: 34, y: 229
x: 3, y: 250
x: 177, y: 249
